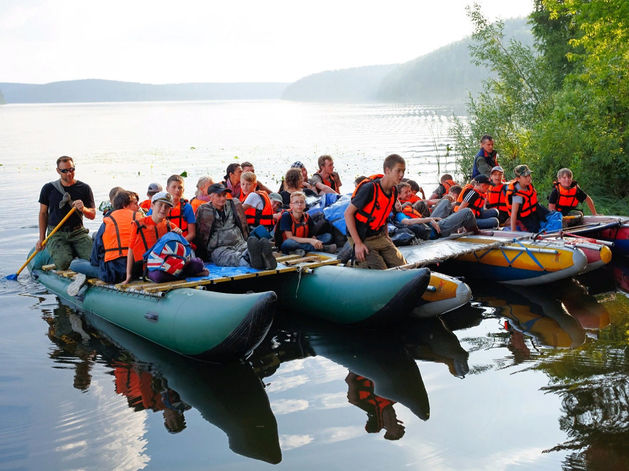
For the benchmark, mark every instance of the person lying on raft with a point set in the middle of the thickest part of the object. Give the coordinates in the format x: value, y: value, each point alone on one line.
x: 108, y: 261
x: 435, y: 227
x: 326, y: 180
x: 524, y: 209
x: 294, y: 232
x: 567, y: 194
x: 223, y: 235
x: 474, y: 196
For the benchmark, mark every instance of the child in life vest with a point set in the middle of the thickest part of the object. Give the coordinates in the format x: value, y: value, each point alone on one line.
x: 474, y: 196
x: 295, y: 229
x: 497, y: 194
x: 522, y: 203
x: 182, y: 214
x: 567, y: 194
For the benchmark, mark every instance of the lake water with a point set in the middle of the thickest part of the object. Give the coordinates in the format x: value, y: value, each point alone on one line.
x: 521, y: 379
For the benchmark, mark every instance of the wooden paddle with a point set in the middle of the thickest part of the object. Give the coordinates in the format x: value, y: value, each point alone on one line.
x: 43, y: 244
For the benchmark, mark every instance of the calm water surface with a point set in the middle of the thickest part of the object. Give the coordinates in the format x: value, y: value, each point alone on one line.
x: 522, y: 379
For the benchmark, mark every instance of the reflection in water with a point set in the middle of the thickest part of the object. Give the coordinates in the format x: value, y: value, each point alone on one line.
x: 231, y: 396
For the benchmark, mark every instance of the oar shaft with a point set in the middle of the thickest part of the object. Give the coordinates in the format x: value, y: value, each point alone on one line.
x: 43, y: 244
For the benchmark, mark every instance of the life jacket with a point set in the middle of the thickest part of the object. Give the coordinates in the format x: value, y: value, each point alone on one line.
x: 176, y: 216
x: 169, y: 254
x: 447, y: 185
x: 264, y: 216
x: 138, y: 388
x: 298, y: 229
x: 241, y: 196
x: 567, y: 197
x: 479, y: 203
x: 497, y: 197
x: 117, y: 234
x: 529, y: 206
x: 413, y: 213
x: 375, y: 213
x: 331, y: 182
x: 145, y: 205
x: 412, y: 199
x: 149, y: 233
x: 195, y: 203
x: 366, y: 395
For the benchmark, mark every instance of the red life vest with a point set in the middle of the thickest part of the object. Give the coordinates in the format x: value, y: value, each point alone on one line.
x: 264, y: 216
x: 117, y: 234
x: 479, y: 203
x: 448, y: 184
x: 299, y: 229
x: 567, y: 197
x: 148, y: 233
x: 366, y: 395
x: 497, y: 197
x: 241, y: 196
x: 375, y: 213
x: 145, y: 205
x: 529, y: 206
x: 176, y: 216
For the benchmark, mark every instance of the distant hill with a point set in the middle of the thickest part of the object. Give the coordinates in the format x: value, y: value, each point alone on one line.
x: 443, y: 77
x: 93, y: 90
x: 347, y: 85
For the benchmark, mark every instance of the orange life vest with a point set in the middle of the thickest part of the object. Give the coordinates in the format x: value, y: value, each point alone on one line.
x: 497, y: 197
x: 195, y: 203
x: 264, y: 216
x: 567, y: 197
x: 145, y: 205
x: 148, y: 233
x: 529, y: 206
x: 138, y: 388
x: 375, y: 213
x: 177, y: 218
x: 413, y: 213
x: 366, y: 395
x: 448, y: 184
x: 479, y: 203
x: 412, y: 199
x: 117, y: 234
x: 299, y: 229
x: 241, y: 196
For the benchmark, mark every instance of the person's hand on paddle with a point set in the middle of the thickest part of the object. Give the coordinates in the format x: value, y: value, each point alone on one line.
x: 360, y: 251
x: 78, y: 204
x: 39, y: 245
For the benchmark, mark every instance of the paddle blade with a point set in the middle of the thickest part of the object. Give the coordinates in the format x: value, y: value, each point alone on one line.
x: 12, y: 277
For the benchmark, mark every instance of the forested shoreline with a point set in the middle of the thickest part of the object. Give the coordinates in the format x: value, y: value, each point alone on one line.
x: 562, y: 103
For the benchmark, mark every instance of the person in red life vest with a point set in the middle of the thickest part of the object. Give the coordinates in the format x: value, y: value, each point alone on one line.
x: 108, y: 260
x: 201, y: 196
x: 248, y: 167
x: 522, y: 201
x: 497, y: 194
x: 380, y: 412
x: 231, y: 180
x: 567, y: 194
x: 326, y: 180
x: 294, y: 231
x: 367, y: 213
x: 445, y: 182
x: 412, y: 204
x: 486, y: 159
x: 474, y: 196
x: 182, y: 214
x: 152, y: 189
x: 256, y: 203
x: 147, y: 231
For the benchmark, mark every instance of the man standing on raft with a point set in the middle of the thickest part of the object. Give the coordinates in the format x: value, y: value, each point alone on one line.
x: 366, y: 217
x: 56, y: 199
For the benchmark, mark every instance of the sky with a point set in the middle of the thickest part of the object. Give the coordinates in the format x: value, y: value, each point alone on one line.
x: 180, y: 41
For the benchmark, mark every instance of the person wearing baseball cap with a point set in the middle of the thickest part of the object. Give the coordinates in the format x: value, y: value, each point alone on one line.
x: 222, y: 235
x: 152, y: 189
x: 524, y: 209
x: 473, y: 196
x: 497, y: 194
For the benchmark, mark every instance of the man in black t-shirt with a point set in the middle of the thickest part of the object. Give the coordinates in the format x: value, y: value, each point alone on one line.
x: 72, y: 239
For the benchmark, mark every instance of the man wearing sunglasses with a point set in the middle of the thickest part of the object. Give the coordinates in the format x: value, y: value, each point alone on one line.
x: 55, y: 201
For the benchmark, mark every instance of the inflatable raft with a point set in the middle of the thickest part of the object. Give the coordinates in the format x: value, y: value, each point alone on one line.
x: 611, y: 228
x: 443, y: 294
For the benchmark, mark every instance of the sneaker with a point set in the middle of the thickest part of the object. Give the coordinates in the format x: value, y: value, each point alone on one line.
x: 74, y: 287
x: 267, y: 254
x: 300, y: 252
x: 330, y: 248
x: 255, y: 253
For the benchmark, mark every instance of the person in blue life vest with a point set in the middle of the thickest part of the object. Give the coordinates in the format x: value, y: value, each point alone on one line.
x: 366, y: 217
x: 486, y: 159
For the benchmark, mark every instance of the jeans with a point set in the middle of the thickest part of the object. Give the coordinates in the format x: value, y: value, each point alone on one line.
x: 290, y: 245
x: 442, y: 209
x: 488, y: 219
x: 80, y: 265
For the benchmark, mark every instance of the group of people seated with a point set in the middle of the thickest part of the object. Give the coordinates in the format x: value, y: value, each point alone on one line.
x: 240, y: 221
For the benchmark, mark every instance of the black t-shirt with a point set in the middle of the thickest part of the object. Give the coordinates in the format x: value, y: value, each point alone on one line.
x: 554, y: 197
x: 363, y: 197
x: 51, y: 197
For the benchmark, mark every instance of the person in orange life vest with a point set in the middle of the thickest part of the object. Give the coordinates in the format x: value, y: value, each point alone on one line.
x: 276, y: 202
x: 326, y: 180
x: 415, y: 188
x: 486, y: 159
x: 366, y: 217
x: 182, y: 214
x: 497, y: 194
x: 257, y: 205
x: 152, y: 189
x: 411, y: 203
x: 147, y: 232
x: 522, y: 201
x: 567, y: 194
x: 248, y: 167
x: 445, y: 182
x: 231, y: 180
x: 295, y: 229
x: 474, y: 196
x: 108, y: 260
x: 201, y: 196
x: 447, y: 204
x: 380, y: 412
